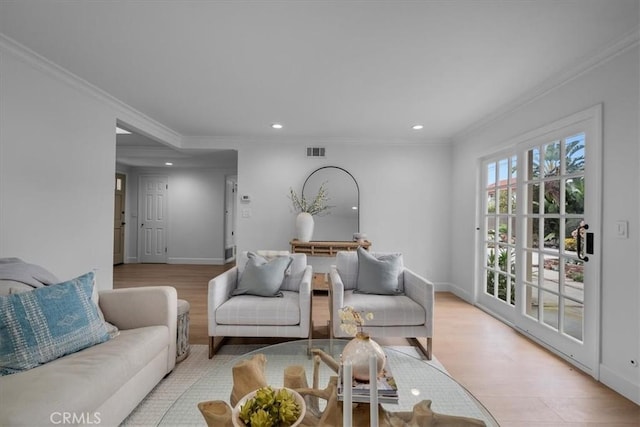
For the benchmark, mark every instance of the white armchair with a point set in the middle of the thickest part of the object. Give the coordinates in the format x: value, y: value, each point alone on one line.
x: 409, y: 315
x: 259, y: 316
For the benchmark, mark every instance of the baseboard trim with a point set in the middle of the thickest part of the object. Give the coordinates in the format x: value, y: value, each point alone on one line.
x: 204, y: 261
x: 620, y: 384
x: 457, y: 291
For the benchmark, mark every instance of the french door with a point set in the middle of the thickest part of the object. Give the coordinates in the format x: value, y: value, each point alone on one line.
x: 539, y: 263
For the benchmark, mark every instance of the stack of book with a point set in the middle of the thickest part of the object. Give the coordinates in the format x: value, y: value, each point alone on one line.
x: 361, y: 391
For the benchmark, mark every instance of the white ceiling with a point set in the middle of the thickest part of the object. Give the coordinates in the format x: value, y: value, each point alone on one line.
x: 137, y: 150
x: 326, y: 70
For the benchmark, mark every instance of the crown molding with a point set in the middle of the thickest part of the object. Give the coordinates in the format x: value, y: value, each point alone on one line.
x: 124, y: 113
x: 139, y: 122
x: 588, y: 63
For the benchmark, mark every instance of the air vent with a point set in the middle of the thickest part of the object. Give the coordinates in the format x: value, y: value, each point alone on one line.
x: 315, y: 151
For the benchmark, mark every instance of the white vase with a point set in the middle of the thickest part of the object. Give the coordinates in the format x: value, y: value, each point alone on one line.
x: 358, y: 350
x: 304, y: 226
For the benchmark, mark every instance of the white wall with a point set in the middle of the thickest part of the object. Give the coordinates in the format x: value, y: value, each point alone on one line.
x: 195, y: 214
x: 404, y: 200
x: 57, y: 156
x: 616, y: 85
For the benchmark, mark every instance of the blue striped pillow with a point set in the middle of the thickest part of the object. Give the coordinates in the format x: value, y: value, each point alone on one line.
x: 47, y: 323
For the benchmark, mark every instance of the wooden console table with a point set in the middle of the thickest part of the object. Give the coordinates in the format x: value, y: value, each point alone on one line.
x: 326, y: 248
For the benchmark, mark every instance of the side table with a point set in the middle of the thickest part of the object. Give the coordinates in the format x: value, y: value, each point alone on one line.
x: 182, y: 344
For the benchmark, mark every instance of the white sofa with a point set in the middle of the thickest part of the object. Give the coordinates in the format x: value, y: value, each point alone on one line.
x: 100, y: 385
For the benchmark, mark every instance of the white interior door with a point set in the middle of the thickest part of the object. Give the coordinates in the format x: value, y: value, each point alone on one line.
x: 153, y: 219
x: 540, y: 263
x: 230, y: 218
x: 118, y: 219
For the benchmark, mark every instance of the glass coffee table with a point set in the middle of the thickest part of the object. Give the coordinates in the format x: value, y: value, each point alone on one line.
x: 416, y: 378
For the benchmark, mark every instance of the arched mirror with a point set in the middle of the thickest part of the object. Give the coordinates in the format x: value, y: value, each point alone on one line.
x: 343, y: 219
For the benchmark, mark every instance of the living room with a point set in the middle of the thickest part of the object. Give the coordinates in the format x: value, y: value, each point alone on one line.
x: 418, y: 194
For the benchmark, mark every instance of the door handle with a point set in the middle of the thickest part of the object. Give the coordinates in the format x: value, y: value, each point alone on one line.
x: 584, y: 242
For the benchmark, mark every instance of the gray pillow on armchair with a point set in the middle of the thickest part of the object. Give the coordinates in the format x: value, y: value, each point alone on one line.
x: 262, y: 277
x: 378, y: 275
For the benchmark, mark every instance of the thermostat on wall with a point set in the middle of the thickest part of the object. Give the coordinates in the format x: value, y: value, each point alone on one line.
x: 245, y: 198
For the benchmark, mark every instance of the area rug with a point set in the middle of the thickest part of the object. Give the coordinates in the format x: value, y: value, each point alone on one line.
x: 151, y: 410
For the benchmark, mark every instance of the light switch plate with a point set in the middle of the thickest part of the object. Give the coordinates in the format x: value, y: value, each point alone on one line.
x: 621, y: 230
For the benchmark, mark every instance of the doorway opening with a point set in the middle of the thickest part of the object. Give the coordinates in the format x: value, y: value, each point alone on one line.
x: 175, y: 201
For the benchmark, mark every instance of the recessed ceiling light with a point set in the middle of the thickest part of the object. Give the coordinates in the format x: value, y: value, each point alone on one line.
x: 120, y: 131
x: 417, y: 127
x: 276, y: 126
x: 168, y: 163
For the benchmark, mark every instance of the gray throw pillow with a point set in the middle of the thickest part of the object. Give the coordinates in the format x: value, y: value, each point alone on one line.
x: 262, y: 277
x: 378, y: 275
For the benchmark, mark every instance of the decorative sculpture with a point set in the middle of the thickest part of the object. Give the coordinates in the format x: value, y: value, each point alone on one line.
x: 248, y: 375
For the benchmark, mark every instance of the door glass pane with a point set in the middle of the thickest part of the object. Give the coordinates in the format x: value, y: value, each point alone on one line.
x: 501, y: 200
x: 504, y: 258
x: 512, y: 229
x: 551, y: 279
x: 531, y: 301
x: 551, y: 232
x: 573, y: 318
x: 570, y: 235
x: 503, y: 171
x: 551, y: 196
x: 574, y: 154
x: 574, y: 279
x: 490, y: 282
x: 574, y: 195
x: 550, y: 309
x: 551, y: 165
x: 491, y: 256
x: 491, y: 228
x: 504, y: 283
x: 491, y: 175
x: 531, y: 272
x: 491, y: 201
x: 532, y: 227
x: 512, y: 290
x: 514, y: 169
x: 533, y: 156
x: 503, y: 229
x: 534, y: 198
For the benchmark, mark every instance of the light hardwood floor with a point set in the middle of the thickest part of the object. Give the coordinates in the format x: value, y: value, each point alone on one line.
x: 521, y: 383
